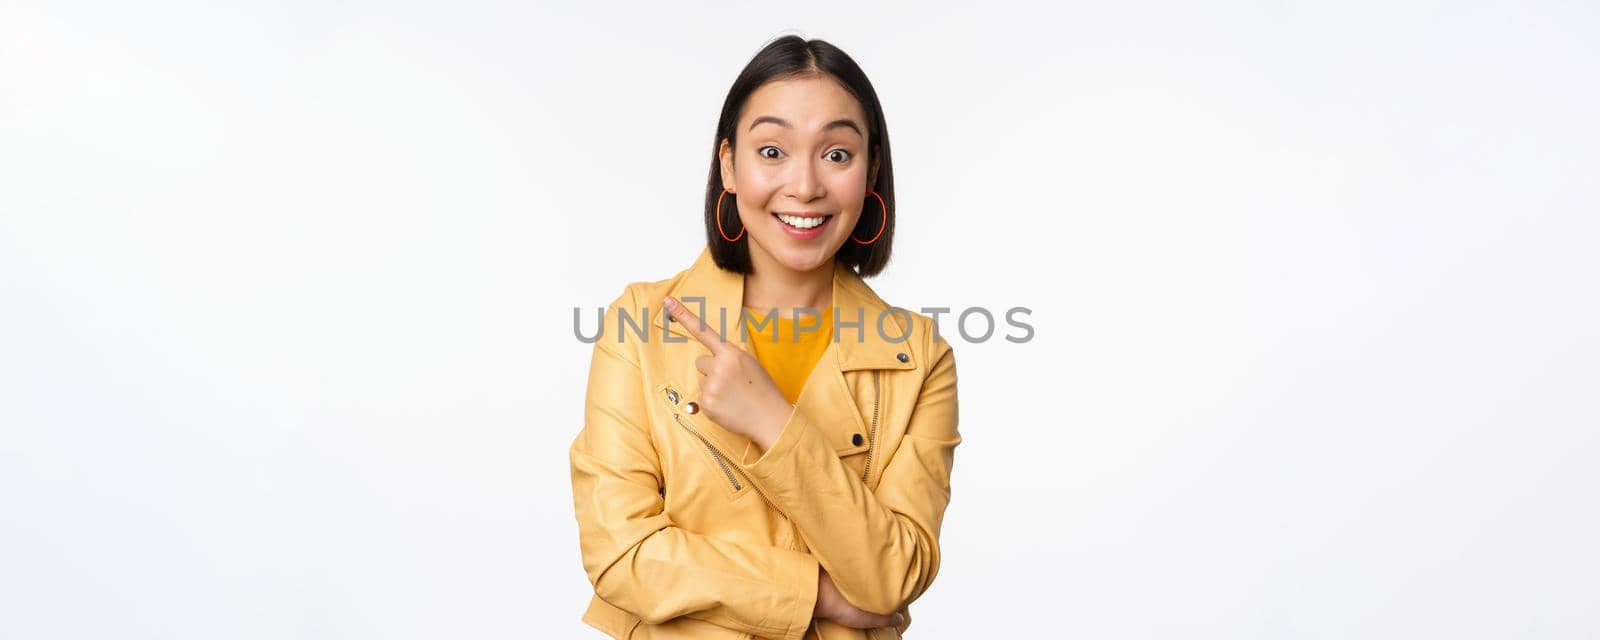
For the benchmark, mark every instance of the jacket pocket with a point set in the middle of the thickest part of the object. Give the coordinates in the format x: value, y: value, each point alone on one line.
x: 735, y: 485
x: 721, y: 467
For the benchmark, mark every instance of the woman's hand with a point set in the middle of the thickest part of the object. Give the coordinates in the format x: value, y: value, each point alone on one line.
x: 736, y: 393
x: 831, y: 605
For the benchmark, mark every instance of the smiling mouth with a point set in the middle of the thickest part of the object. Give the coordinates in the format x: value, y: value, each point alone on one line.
x: 802, y: 223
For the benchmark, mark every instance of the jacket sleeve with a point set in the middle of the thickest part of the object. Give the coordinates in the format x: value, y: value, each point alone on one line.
x: 634, y: 555
x: 880, y: 548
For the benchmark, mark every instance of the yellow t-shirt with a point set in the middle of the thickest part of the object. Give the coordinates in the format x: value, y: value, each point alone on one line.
x: 789, y: 360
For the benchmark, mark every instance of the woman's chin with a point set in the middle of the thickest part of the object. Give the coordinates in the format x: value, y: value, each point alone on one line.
x: 800, y: 255
x: 807, y: 258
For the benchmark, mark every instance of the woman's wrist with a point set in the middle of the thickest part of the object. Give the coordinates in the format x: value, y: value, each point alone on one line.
x: 772, y: 425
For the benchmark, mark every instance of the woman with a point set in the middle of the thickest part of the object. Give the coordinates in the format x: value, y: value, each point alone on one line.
x: 785, y: 477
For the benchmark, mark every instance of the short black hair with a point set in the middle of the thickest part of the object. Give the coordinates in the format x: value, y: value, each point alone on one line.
x: 788, y: 57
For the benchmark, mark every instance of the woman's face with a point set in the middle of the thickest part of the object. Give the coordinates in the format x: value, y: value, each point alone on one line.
x: 801, y: 152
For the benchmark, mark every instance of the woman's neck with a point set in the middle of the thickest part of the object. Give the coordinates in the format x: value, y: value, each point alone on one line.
x: 771, y: 285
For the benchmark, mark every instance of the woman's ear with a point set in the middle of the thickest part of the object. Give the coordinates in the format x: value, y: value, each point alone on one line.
x: 725, y: 158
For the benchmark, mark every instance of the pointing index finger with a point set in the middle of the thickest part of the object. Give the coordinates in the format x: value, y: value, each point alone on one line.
x: 697, y: 327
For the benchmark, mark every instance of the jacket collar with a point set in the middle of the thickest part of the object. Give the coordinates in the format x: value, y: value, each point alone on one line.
x: 862, y: 346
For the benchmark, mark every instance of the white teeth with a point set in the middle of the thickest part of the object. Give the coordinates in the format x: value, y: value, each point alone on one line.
x: 802, y: 223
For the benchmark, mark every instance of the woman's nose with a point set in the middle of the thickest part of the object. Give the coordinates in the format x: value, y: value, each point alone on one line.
x: 804, y: 183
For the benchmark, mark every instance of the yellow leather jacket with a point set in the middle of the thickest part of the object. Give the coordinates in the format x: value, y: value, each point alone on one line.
x: 689, y: 531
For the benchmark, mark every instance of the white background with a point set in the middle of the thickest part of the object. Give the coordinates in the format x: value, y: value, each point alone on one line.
x: 286, y: 342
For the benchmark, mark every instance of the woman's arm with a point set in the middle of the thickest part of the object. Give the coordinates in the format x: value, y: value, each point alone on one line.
x: 636, y: 558
x: 881, y: 549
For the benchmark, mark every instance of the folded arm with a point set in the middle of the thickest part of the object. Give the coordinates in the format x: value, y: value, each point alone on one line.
x: 880, y: 547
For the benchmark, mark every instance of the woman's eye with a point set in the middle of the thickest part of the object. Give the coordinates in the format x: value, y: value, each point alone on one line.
x: 842, y: 155
x: 763, y: 152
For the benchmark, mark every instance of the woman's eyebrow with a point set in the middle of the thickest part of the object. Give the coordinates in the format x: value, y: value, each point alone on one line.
x: 841, y: 122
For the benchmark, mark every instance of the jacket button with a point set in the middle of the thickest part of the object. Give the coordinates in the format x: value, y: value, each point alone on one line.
x: 672, y: 396
x: 855, y: 439
x: 691, y: 408
x: 902, y: 357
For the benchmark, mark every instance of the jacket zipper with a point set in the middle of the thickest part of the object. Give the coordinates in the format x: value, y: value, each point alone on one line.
x: 727, y: 469
x: 714, y: 453
x: 872, y: 433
